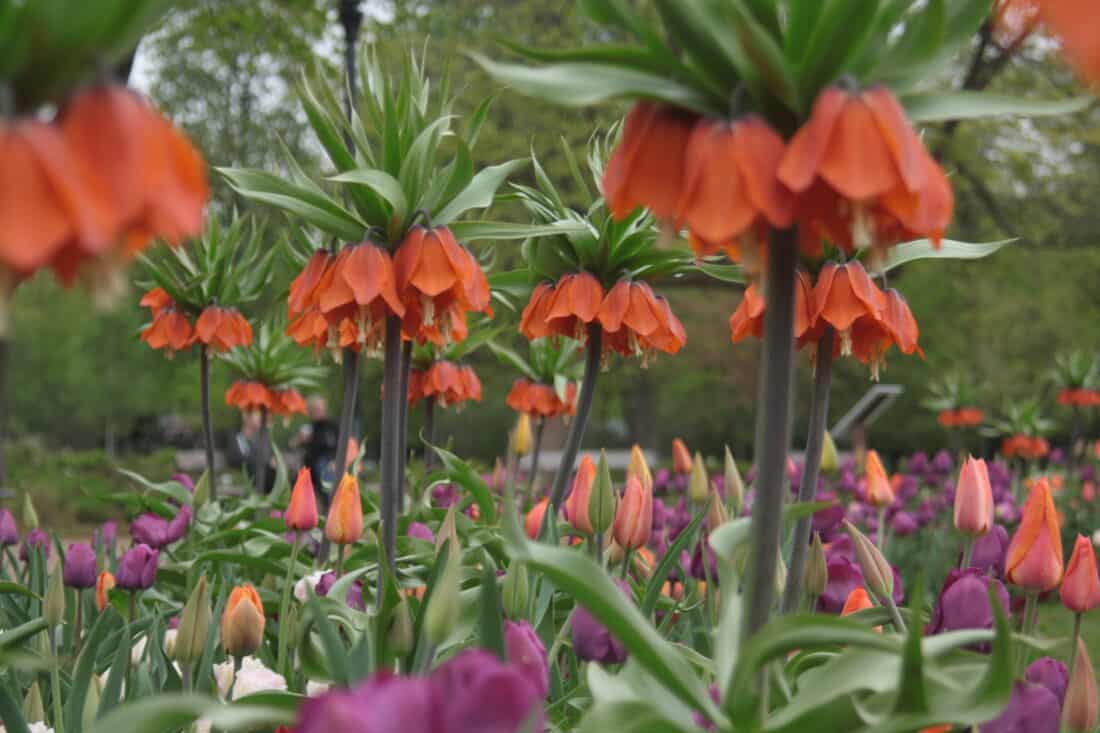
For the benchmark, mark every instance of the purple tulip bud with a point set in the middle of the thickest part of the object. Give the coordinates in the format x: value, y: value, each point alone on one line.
x: 1031, y: 709
x: 383, y: 704
x: 177, y: 528
x: 9, y: 534
x: 138, y: 568
x: 38, y: 539
x: 989, y: 551
x: 480, y: 694
x: 80, y: 569
x: 185, y: 481
x: 420, y: 532
x: 1051, y: 674
x: 527, y: 653
x: 964, y: 602
x: 354, y: 597
x: 324, y: 585
x: 591, y: 639
x: 108, y: 532
x: 443, y: 495
x: 151, y: 530
x: 695, y: 567
x: 844, y: 577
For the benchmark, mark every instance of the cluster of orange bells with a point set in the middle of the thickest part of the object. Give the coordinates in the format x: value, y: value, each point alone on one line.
x: 541, y: 400
x: 960, y: 417
x: 1081, y: 397
x: 86, y: 191
x: 449, y: 384
x: 341, y: 300
x: 1028, y: 447
x: 634, y: 320
x: 247, y: 395
x: 218, y: 328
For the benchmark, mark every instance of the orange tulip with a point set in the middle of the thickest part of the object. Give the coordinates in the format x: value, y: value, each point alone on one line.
x: 634, y: 515
x: 1081, y: 708
x: 1080, y: 589
x: 730, y: 190
x: 973, y: 499
x: 681, y: 457
x: 533, y: 521
x: 647, y: 168
x: 636, y: 321
x: 301, y: 513
x: 576, y: 506
x: 858, y: 600
x: 222, y: 328
x: 344, y: 524
x: 243, y: 622
x: 1075, y: 23
x: 879, y: 491
x: 1034, y: 557
x: 103, y: 584
x: 170, y: 330
x: 356, y: 293
x: 864, y: 174
x: 748, y: 319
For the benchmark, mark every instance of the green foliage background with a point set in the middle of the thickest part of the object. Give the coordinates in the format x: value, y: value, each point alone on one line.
x: 225, y: 70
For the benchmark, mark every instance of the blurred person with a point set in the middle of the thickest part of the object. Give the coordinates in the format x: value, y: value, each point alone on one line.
x: 241, y: 451
x: 319, y: 437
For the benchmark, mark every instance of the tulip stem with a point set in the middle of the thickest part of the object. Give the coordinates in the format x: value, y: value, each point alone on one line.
x: 207, y: 421
x: 185, y: 677
x: 880, y: 531
x: 429, y: 432
x: 391, y: 424
x: 967, y: 553
x: 773, y: 430
x: 1031, y: 615
x: 535, y: 450
x: 580, y: 420
x: 403, y: 424
x: 895, y: 615
x: 284, y: 607
x: 1073, y: 643
x: 131, y: 617
x: 78, y: 622
x: 807, y: 488
x: 559, y: 642
x: 628, y: 555
x: 55, y: 684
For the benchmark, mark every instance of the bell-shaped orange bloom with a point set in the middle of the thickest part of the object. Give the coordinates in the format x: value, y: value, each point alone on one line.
x: 636, y: 321
x: 305, y: 287
x: 301, y: 513
x: 564, y: 308
x: 879, y: 491
x: 307, y: 324
x: 445, y: 382
x: 243, y: 621
x: 576, y: 505
x: 1081, y: 709
x: 344, y: 524
x: 1080, y: 397
x: 748, y: 319
x: 973, y: 498
x: 960, y: 417
x: 634, y: 515
x: 156, y: 300
x: 1075, y: 23
x: 541, y: 400
x: 533, y: 520
x: 222, y: 328
x: 287, y: 401
x: 249, y: 395
x: 858, y: 600
x: 730, y: 189
x: 844, y: 294
x: 471, y: 385
x: 357, y: 291
x: 647, y: 168
x: 681, y: 457
x: 1034, y: 557
x: 170, y: 330
x: 871, y: 338
x: 1080, y: 589
x: 1028, y: 447
x: 103, y: 584
x: 438, y: 281
x: 864, y: 174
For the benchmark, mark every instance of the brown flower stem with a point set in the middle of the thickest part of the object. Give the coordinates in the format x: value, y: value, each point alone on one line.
x: 535, y: 451
x: 403, y: 423
x: 207, y: 422
x: 259, y: 460
x: 807, y: 489
x: 580, y: 420
x: 429, y: 432
x: 773, y: 430
x: 390, y: 458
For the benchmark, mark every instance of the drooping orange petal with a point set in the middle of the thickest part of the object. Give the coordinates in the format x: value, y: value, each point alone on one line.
x: 434, y: 272
x: 303, y: 287
x: 614, y: 306
x: 898, y: 134
x: 713, y: 204
x: 857, y: 162
x: 806, y: 150
x: 758, y: 151
x: 208, y: 324
x: 1075, y: 22
x: 903, y: 326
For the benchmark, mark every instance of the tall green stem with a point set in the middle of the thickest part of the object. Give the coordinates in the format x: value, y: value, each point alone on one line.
x: 773, y: 429
x: 207, y: 421
x: 1073, y: 643
x: 259, y: 460
x: 580, y: 420
x: 284, y: 608
x: 535, y: 451
x: 391, y: 418
x: 403, y: 424
x: 815, y: 440
x: 429, y: 432
x: 347, y: 409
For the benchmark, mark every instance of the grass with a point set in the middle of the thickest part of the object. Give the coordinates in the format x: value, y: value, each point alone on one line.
x: 1056, y: 624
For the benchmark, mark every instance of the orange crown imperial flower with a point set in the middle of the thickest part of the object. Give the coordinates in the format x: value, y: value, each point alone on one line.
x: 973, y: 499
x: 871, y: 338
x: 355, y: 294
x: 637, y: 322
x: 243, y: 622
x: 1075, y: 23
x: 634, y: 515
x: 844, y: 294
x: 249, y: 395
x: 1080, y: 589
x: 564, y: 308
x: 446, y: 382
x: 541, y: 400
x: 344, y: 524
x: 576, y: 505
x: 301, y: 513
x: 170, y: 330
x: 748, y: 319
x: 864, y: 176
x: 1034, y: 557
x: 879, y: 491
x: 222, y: 328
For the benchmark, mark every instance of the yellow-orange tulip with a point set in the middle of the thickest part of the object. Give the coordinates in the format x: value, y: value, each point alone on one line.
x: 243, y: 622
x: 973, y: 499
x: 1080, y: 589
x: 1034, y: 557
x: 103, y: 584
x: 634, y: 517
x: 344, y: 524
x: 681, y: 457
x: 879, y: 491
x: 576, y: 506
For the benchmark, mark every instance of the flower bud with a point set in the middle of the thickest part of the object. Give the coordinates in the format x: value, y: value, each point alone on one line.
x: 973, y: 499
x: 53, y: 605
x: 515, y: 593
x: 858, y: 600
x: 640, y: 468
x: 1034, y: 557
x: 301, y: 513
x: 30, y: 516
x: 103, y: 585
x: 830, y: 461
x: 1081, y: 709
x: 448, y: 530
x: 91, y: 702
x: 400, y: 634
x: 535, y: 516
x: 80, y: 566
x: 634, y: 517
x: 716, y: 512
x: 194, y: 625
x: 879, y: 491
x: 202, y: 491
x: 443, y: 607
x: 577, y: 504
x: 138, y: 568
x: 601, y: 503
x: 681, y: 457
x: 816, y: 575
x: 344, y: 524
x: 33, y: 709
x: 698, y: 482
x: 878, y: 576
x: 735, y: 487
x: 1080, y: 589
x: 243, y: 622
x: 521, y: 436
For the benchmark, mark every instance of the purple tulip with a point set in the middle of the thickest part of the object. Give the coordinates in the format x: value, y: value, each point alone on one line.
x: 527, y: 653
x: 989, y: 551
x: 942, y: 463
x: 695, y: 565
x: 80, y: 569
x: 354, y: 597
x: 1031, y: 709
x: 904, y: 524
x: 1051, y: 674
x: 151, y: 530
x: 9, y: 534
x: 964, y: 602
x: 138, y: 568
x: 108, y: 532
x: 177, y: 528
x: 918, y: 462
x: 383, y: 704
x: 420, y: 532
x: 38, y: 539
x: 844, y: 576
x: 443, y: 495
x: 480, y: 694
x: 591, y: 639
x: 185, y: 481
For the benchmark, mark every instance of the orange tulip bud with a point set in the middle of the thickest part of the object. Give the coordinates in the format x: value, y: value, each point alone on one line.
x: 243, y: 622
x: 973, y: 499
x: 1081, y: 708
x: 301, y: 515
x: 879, y: 491
x: 634, y: 517
x: 103, y: 584
x: 858, y: 600
x: 1034, y: 557
x: 344, y: 524
x: 533, y: 522
x: 681, y: 457
x: 1080, y: 589
x: 576, y: 506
